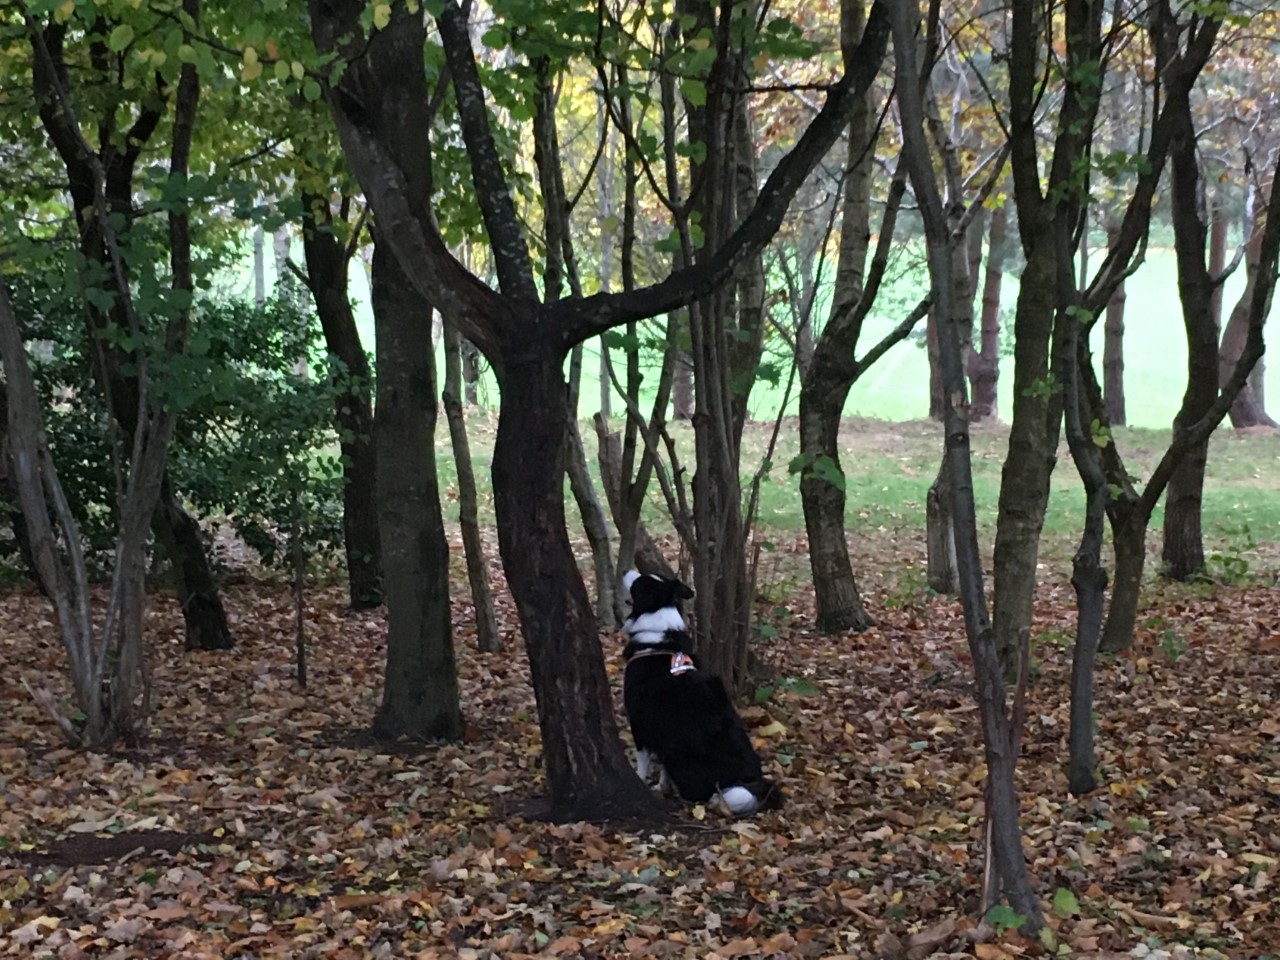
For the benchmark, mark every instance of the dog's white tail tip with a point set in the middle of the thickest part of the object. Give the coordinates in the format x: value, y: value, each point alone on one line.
x: 740, y: 800
x: 630, y: 577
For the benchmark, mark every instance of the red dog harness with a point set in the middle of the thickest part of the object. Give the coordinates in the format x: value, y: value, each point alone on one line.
x: 680, y: 662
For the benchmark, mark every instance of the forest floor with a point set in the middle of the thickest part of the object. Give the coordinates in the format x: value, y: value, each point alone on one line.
x: 257, y: 821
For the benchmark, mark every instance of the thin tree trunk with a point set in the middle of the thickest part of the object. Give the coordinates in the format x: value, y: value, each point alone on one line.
x: 420, y: 689
x: 328, y: 260
x: 1183, y: 552
x: 1129, y: 540
x: 487, y: 636
x: 1249, y: 409
x: 589, y: 508
x: 1000, y: 735
x: 1113, y: 350
x: 831, y: 371
x: 940, y: 534
x: 648, y: 556
x: 984, y: 363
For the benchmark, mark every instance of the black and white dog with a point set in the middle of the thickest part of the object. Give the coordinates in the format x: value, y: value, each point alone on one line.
x: 680, y: 715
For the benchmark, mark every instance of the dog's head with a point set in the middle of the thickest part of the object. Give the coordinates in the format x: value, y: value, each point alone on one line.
x: 655, y: 606
x: 651, y: 593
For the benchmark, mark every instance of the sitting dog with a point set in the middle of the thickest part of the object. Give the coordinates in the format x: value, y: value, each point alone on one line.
x: 680, y: 715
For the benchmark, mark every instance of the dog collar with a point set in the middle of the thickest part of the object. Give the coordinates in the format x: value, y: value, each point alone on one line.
x: 680, y: 662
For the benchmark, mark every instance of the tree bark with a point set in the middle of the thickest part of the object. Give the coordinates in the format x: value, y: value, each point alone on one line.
x: 420, y: 690
x: 588, y: 774
x: 984, y: 363
x: 1248, y: 410
x: 831, y: 371
x: 940, y: 534
x: 1183, y: 552
x: 1113, y: 351
x: 1000, y: 736
x: 328, y: 260
x: 487, y: 637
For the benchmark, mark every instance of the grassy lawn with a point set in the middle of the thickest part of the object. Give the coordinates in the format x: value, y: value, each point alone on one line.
x: 889, y: 467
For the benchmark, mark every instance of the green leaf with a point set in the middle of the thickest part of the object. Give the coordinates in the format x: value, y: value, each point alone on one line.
x: 1065, y: 903
x: 695, y: 91
x: 311, y: 90
x: 120, y: 37
x: 1004, y: 917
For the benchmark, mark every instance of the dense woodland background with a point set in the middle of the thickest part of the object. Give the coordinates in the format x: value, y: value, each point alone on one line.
x: 297, y: 670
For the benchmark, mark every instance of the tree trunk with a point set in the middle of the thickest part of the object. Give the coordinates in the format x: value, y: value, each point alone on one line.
x: 175, y: 530
x: 1248, y: 410
x: 940, y: 534
x: 420, y: 689
x: 1113, y: 350
x: 1000, y: 735
x: 487, y: 637
x: 587, y: 772
x: 1129, y: 540
x: 648, y: 556
x: 937, y: 402
x: 593, y: 519
x: 328, y: 260
x: 1183, y: 552
x: 831, y: 371
x: 179, y: 537
x: 682, y: 402
x: 984, y: 363
x: 1032, y: 455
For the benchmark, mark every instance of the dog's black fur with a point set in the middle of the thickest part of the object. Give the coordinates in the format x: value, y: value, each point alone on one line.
x: 680, y: 714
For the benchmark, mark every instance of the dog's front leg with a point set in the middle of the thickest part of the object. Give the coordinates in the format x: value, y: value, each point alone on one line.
x: 664, y: 783
x: 644, y: 764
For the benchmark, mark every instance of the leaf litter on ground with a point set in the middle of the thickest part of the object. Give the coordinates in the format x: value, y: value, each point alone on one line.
x: 258, y: 821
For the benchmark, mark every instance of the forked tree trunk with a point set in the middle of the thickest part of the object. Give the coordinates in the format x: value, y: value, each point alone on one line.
x: 487, y: 637
x: 328, y: 260
x: 179, y: 537
x: 984, y: 363
x: 420, y: 688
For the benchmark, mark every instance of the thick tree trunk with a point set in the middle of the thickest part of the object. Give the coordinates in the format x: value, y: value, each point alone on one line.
x: 420, y: 689
x: 327, y: 263
x: 984, y: 363
x: 487, y: 637
x: 587, y: 772
x: 1113, y: 350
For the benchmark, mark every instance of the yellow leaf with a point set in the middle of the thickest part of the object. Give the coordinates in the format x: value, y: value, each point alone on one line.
x: 250, y: 71
x: 699, y: 812
x: 381, y: 15
x: 63, y: 13
x: 299, y: 71
x: 1257, y: 858
x: 775, y: 729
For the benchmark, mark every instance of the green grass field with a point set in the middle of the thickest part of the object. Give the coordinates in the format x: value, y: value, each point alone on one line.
x: 896, y: 388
